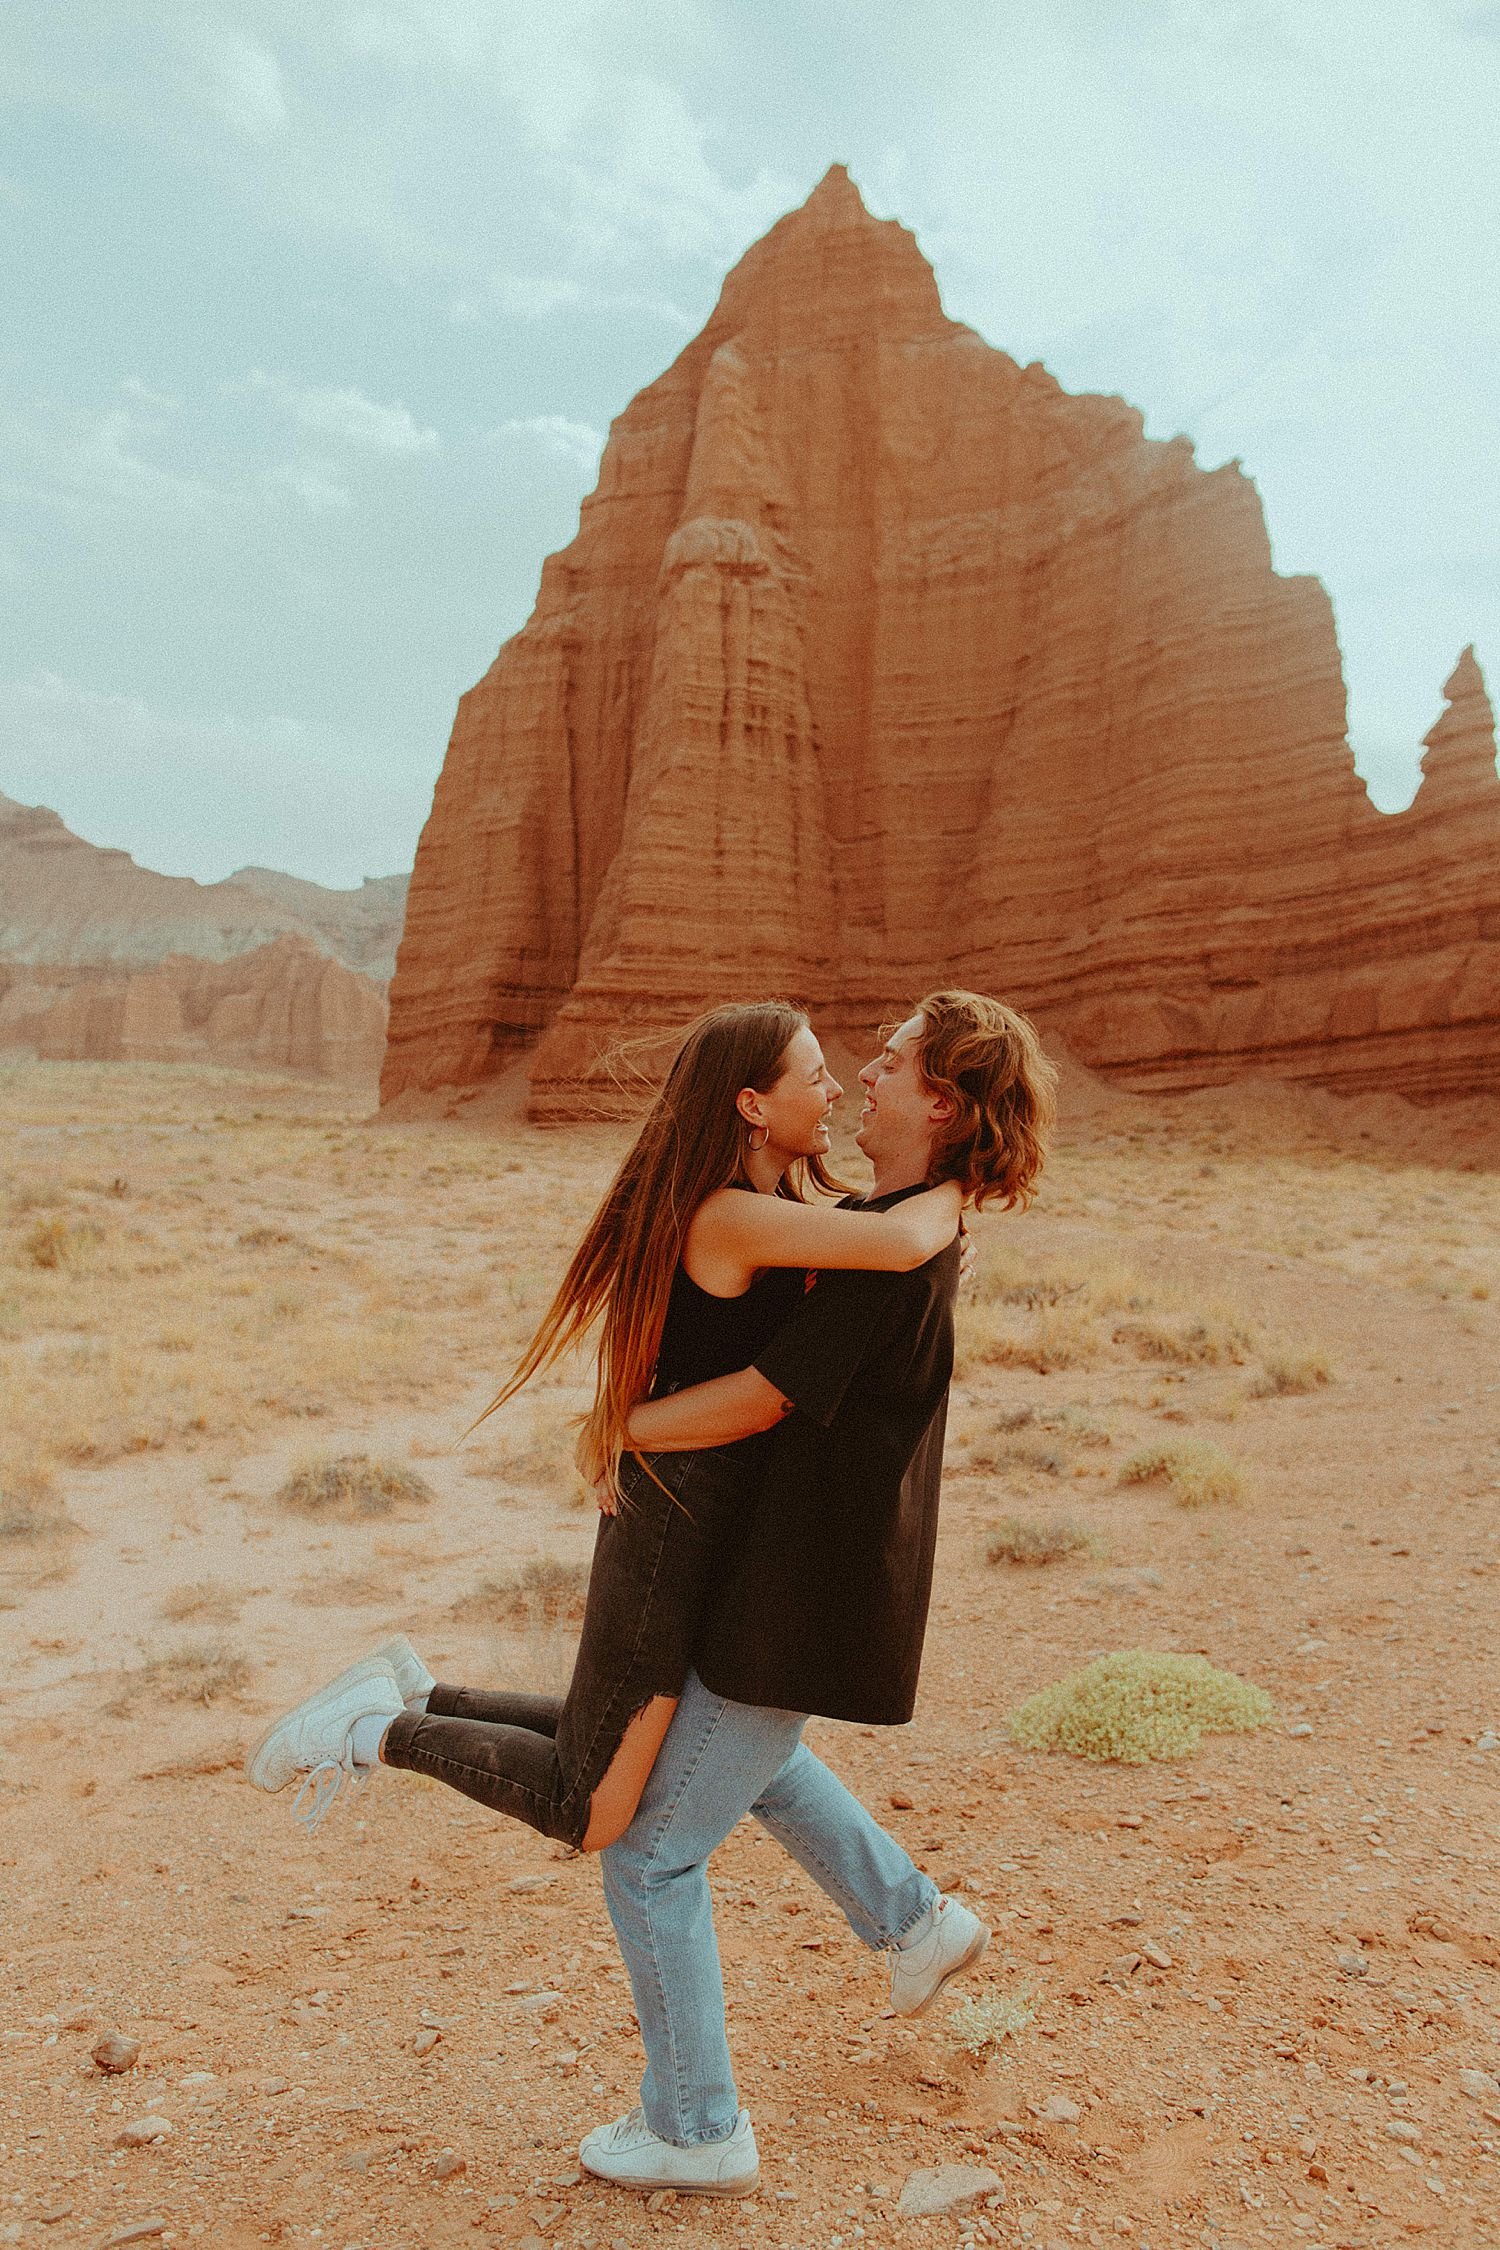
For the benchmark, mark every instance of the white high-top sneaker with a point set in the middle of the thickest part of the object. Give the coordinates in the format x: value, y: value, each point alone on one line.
x: 952, y: 1942
x: 631, y: 2155
x: 313, y: 1739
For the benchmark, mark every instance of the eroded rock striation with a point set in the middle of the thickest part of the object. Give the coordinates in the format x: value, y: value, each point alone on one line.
x: 880, y: 661
x: 102, y: 960
x: 284, y: 1006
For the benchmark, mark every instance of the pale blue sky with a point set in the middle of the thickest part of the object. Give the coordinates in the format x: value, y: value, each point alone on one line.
x: 318, y: 313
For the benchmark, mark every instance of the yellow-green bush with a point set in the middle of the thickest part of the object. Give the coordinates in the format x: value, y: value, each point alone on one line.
x: 991, y: 2018
x: 1197, y: 1472
x: 1290, y: 1374
x: 1017, y: 1539
x: 1137, y: 1705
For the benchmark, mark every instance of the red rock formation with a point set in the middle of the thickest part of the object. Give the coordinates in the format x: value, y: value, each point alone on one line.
x: 68, y: 904
x: 879, y: 661
x: 103, y: 960
x: 286, y: 1006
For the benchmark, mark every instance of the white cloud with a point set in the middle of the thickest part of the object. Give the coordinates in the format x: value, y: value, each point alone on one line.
x: 570, y: 441
x: 200, y: 795
x: 348, y: 416
x: 641, y: 179
x: 314, y: 483
x: 240, y: 79
x: 74, y: 458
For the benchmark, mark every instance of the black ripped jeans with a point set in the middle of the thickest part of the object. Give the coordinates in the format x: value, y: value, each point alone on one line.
x: 541, y: 1757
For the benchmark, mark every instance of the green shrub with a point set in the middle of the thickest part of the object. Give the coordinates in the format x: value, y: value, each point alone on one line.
x: 1138, y: 1705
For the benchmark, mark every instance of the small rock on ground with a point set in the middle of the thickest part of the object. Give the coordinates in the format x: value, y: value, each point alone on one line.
x: 114, y: 2052
x: 945, y: 2187
x: 142, y: 2131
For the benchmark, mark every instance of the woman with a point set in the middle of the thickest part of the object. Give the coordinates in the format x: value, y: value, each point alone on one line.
x: 694, y: 1258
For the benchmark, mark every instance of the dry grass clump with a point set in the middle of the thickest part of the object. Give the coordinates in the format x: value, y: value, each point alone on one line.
x: 1287, y: 1374
x: 1060, y: 1337
x: 29, y: 1504
x: 544, y: 1591
x: 1070, y: 1315
x: 1139, y: 1705
x: 207, y: 1601
x: 57, y: 1245
x: 1214, y: 1339
x: 1016, y: 1539
x: 355, y: 1589
x: 353, y: 1486
x: 196, y: 1672
x: 991, y: 2018
x: 1020, y: 1458
x: 1076, y: 1425
x: 1197, y: 1472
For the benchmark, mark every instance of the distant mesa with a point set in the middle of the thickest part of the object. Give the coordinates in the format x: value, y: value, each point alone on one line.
x: 103, y: 961
x: 880, y: 661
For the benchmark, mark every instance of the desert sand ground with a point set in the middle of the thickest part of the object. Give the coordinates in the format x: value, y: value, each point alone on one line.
x: 1265, y: 1979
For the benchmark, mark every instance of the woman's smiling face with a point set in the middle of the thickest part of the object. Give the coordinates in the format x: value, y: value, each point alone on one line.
x: 794, y: 1112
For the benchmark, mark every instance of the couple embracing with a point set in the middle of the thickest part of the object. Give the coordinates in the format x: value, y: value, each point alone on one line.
x: 765, y: 1445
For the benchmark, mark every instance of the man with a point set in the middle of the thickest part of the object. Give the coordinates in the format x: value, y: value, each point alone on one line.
x: 823, y: 1604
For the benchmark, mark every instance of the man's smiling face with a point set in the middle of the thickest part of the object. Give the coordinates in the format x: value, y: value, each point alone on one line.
x: 900, y: 1110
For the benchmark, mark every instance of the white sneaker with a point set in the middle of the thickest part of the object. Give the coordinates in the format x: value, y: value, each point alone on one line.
x: 631, y: 2155
x: 313, y: 1739
x: 952, y: 1942
x: 412, y: 1675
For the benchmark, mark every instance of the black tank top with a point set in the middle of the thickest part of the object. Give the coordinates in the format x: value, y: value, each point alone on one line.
x: 704, y: 1336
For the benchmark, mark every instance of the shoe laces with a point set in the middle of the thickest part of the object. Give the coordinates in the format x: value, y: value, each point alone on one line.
x: 322, y: 1785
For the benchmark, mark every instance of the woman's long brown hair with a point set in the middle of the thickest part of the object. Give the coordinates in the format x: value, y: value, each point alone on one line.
x: 693, y: 1142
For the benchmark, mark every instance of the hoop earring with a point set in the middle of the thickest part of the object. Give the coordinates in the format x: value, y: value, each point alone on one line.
x: 757, y: 1145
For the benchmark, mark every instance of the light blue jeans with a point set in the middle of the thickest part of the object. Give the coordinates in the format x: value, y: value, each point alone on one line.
x: 719, y: 1761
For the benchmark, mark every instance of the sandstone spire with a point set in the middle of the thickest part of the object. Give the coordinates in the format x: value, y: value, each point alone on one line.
x: 1458, y: 765
x: 879, y: 661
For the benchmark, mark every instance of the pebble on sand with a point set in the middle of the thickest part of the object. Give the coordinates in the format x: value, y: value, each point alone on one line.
x: 945, y: 2187
x: 142, y: 2131
x: 1479, y: 2085
x: 139, y: 2230
x: 424, y: 2042
x: 114, y: 2052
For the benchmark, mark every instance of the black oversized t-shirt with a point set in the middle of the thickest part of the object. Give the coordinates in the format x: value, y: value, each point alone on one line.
x: 822, y: 1602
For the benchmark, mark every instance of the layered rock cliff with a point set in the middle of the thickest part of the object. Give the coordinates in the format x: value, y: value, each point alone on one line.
x: 284, y: 1006
x: 102, y: 960
x: 880, y: 661
x: 66, y: 902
